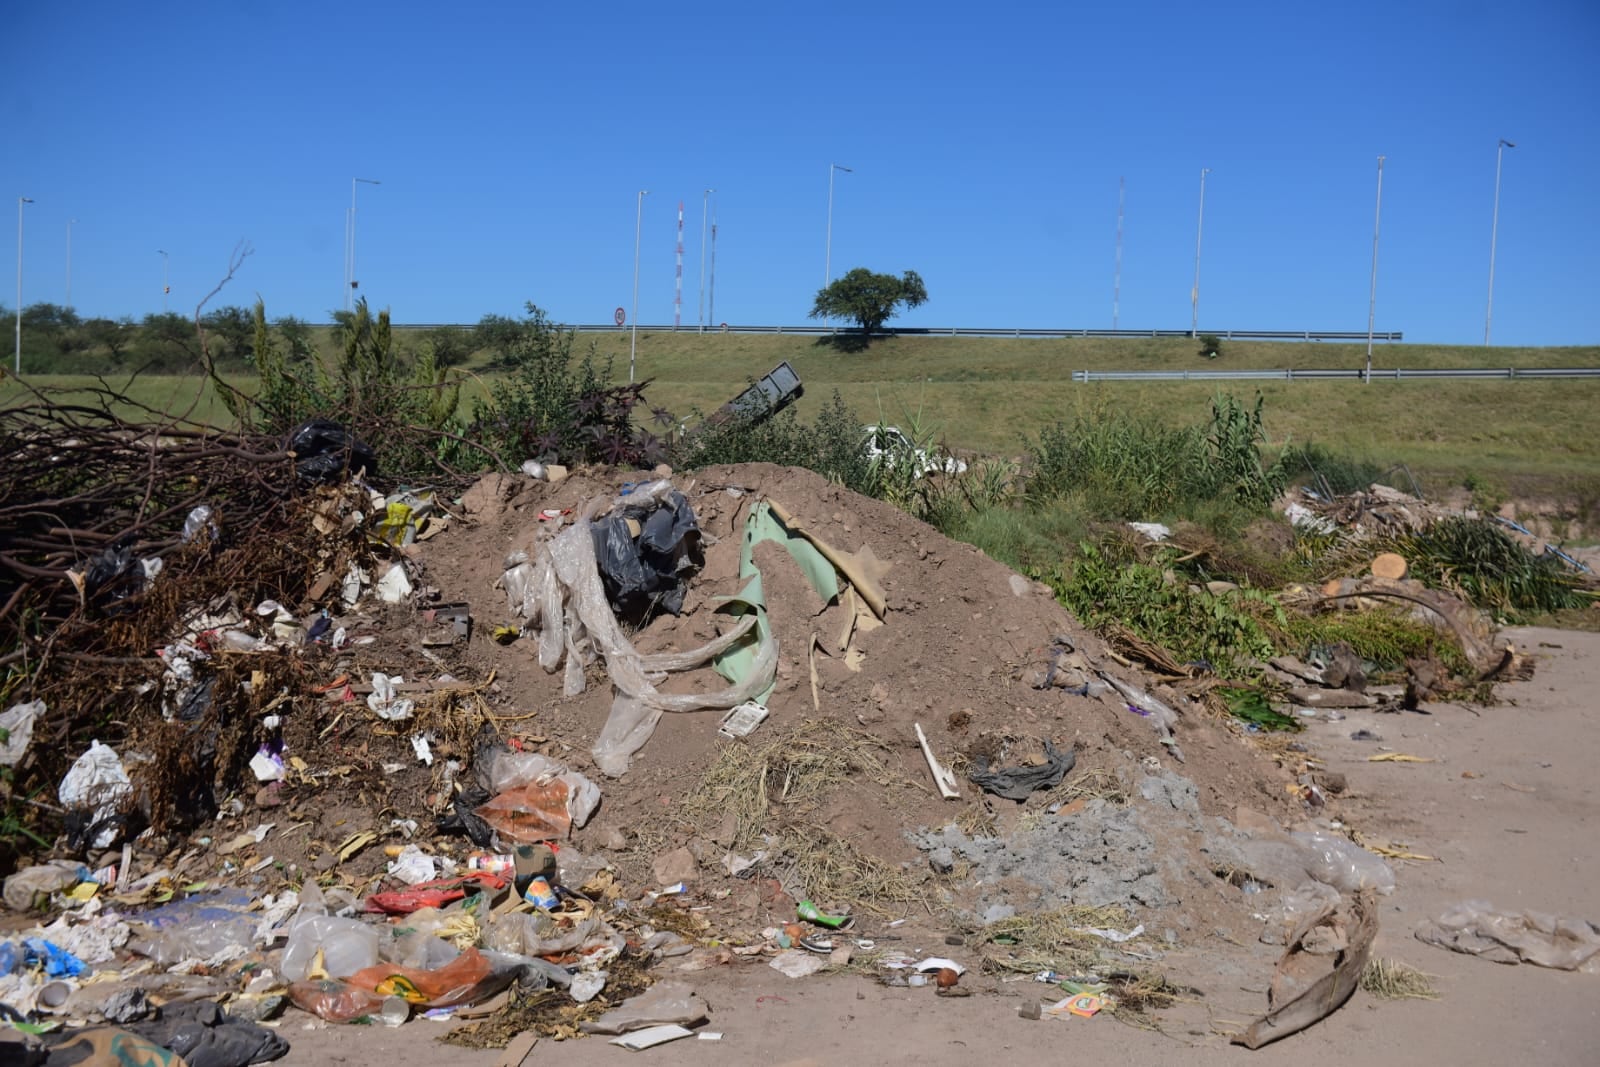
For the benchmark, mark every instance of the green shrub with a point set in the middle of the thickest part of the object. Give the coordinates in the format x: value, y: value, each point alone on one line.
x: 1106, y: 583
x: 1489, y: 568
x: 555, y: 408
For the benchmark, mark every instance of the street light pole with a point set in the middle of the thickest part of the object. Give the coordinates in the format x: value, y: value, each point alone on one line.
x: 165, y: 287
x: 1116, y: 282
x: 711, y: 295
x: 1194, y: 294
x: 1372, y: 294
x: 633, y: 343
x: 350, y: 255
x: 1494, y: 229
x: 69, y: 263
x: 827, y: 255
x: 20, y: 201
x: 704, y: 211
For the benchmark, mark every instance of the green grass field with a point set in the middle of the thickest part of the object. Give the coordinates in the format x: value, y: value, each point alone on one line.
x: 985, y: 394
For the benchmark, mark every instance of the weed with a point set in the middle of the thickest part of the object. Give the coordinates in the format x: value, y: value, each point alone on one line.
x: 1393, y: 980
x: 1106, y: 583
x: 1489, y: 568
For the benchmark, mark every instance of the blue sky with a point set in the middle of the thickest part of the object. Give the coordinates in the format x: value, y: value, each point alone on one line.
x: 986, y: 143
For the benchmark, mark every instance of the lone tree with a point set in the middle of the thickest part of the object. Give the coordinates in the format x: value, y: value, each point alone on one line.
x: 869, y: 299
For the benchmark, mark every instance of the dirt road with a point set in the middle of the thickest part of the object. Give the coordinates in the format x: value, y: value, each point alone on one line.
x: 1510, y: 807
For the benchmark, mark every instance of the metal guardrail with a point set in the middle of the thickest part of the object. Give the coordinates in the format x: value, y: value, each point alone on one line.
x: 1290, y: 375
x: 964, y: 331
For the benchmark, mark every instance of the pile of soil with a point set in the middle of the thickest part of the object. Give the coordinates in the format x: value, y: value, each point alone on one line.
x: 962, y: 642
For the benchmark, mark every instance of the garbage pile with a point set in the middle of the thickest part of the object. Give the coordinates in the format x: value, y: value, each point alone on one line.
x: 510, y: 755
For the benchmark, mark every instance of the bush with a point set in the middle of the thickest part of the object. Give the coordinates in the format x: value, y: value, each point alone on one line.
x: 1210, y: 346
x: 405, y: 412
x: 1134, y: 468
x: 831, y: 445
x: 1489, y: 568
x: 554, y: 409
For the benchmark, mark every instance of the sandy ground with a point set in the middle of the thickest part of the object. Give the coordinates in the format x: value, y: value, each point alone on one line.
x: 1517, y: 833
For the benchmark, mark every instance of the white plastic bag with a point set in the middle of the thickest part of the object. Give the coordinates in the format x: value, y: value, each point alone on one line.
x: 97, y: 781
x: 17, y: 721
x: 564, y: 595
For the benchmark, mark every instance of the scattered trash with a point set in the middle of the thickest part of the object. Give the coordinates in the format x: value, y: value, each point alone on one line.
x: 1044, y: 771
x: 797, y: 963
x: 325, y: 452
x: 943, y: 776
x: 99, y: 783
x: 811, y: 913
x: 1478, y: 928
x: 664, y: 1003
x: 1119, y: 936
x: 1319, y: 969
x: 742, y: 721
x: 1397, y: 757
x: 16, y: 730
x: 385, y: 701
x: 651, y: 1037
x: 1084, y: 1005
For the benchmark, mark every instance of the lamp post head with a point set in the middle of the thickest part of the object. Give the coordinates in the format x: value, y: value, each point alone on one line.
x: 24, y: 199
x: 1507, y: 144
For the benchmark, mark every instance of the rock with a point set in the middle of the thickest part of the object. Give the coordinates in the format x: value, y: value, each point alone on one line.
x: 942, y: 860
x: 1333, y: 781
x: 1019, y: 585
x: 679, y: 865
x: 1221, y: 588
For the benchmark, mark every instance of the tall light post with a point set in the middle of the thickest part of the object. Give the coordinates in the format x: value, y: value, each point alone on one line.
x: 1116, y: 282
x: 1194, y: 294
x: 1494, y: 229
x: 350, y: 282
x: 827, y: 254
x: 165, y: 287
x: 705, y: 202
x: 711, y: 295
x: 69, y: 263
x: 1372, y: 294
x: 633, y: 343
x: 21, y: 200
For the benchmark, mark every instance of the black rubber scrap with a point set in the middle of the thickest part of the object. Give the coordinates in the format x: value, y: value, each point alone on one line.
x: 1017, y: 783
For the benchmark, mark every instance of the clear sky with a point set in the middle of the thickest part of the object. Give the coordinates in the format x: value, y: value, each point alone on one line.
x: 985, y: 141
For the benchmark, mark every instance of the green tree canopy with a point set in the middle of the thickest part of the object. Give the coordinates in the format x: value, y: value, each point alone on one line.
x: 869, y: 299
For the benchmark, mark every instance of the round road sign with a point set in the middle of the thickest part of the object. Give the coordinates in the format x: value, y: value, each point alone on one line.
x: 621, y: 316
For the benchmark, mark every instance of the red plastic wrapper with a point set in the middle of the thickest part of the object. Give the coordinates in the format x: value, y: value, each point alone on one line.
x: 467, y: 979
x: 435, y: 894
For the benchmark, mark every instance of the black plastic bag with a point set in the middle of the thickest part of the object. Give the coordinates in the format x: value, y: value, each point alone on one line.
x: 206, y: 1036
x: 325, y: 452
x: 1016, y: 783
x: 646, y: 574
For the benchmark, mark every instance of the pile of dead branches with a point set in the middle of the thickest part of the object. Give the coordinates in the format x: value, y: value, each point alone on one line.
x: 93, y: 485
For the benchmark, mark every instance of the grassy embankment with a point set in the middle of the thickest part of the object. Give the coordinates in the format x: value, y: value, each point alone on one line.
x: 985, y: 393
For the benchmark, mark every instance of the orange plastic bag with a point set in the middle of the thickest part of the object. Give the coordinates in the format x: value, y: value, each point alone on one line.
x: 530, y: 813
x: 467, y: 978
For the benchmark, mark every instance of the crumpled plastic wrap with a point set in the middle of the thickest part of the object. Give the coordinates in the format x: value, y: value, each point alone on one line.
x: 1478, y: 928
x: 1291, y: 860
x: 562, y: 593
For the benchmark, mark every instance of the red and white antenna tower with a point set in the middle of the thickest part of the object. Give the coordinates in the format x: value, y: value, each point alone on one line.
x: 677, y: 298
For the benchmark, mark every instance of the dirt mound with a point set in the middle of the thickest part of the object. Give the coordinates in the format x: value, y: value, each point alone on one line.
x: 961, y: 647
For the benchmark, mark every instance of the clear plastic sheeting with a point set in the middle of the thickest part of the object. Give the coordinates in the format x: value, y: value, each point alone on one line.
x: 1478, y: 928
x: 563, y: 596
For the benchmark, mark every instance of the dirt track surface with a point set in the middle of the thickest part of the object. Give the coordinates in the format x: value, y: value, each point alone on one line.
x: 1518, y: 833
